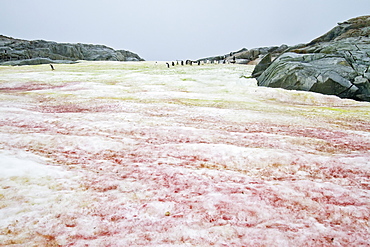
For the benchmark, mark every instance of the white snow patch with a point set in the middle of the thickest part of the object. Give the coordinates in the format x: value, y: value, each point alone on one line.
x: 23, y: 164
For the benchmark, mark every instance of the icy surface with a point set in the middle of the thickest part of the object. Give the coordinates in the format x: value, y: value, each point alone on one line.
x: 135, y: 154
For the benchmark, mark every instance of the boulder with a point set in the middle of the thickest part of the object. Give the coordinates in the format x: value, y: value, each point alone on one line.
x: 337, y: 63
x: 262, y: 65
x: 22, y: 52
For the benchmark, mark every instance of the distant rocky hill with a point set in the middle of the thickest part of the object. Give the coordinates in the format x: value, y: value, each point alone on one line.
x: 336, y: 63
x: 24, y: 52
x: 245, y: 56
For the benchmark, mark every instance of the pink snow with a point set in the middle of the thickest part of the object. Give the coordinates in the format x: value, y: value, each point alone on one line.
x: 135, y: 154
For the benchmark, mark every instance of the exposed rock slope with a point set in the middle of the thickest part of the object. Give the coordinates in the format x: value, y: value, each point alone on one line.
x: 245, y: 56
x: 337, y: 63
x: 22, y: 52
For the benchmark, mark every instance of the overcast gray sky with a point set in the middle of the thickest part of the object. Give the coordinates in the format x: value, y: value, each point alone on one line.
x: 176, y: 29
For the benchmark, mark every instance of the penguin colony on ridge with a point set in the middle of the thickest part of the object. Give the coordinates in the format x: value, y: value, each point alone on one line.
x: 199, y: 62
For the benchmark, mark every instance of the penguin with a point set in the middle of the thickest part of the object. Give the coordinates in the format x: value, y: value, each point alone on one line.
x: 173, y: 63
x: 52, y: 67
x: 234, y: 60
x: 168, y: 65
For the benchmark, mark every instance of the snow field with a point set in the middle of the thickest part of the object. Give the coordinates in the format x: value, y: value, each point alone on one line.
x: 125, y: 154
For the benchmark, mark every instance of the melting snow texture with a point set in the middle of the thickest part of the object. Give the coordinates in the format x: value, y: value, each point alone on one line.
x: 135, y: 154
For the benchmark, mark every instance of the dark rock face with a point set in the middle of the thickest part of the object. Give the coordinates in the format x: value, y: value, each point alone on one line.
x: 337, y: 63
x: 22, y: 52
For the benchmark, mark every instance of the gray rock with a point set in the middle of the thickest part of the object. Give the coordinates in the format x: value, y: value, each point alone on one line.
x: 337, y: 63
x: 367, y: 75
x: 245, y: 56
x: 36, y: 61
x: 22, y: 52
x: 262, y: 65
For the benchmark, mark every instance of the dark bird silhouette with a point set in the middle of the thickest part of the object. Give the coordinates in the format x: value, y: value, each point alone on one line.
x: 234, y: 60
x: 168, y: 65
x: 52, y: 67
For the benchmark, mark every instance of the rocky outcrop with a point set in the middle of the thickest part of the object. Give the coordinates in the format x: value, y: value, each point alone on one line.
x: 337, y: 63
x: 22, y: 52
x: 245, y: 56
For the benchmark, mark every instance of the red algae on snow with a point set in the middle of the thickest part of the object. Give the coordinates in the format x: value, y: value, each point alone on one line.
x: 156, y: 160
